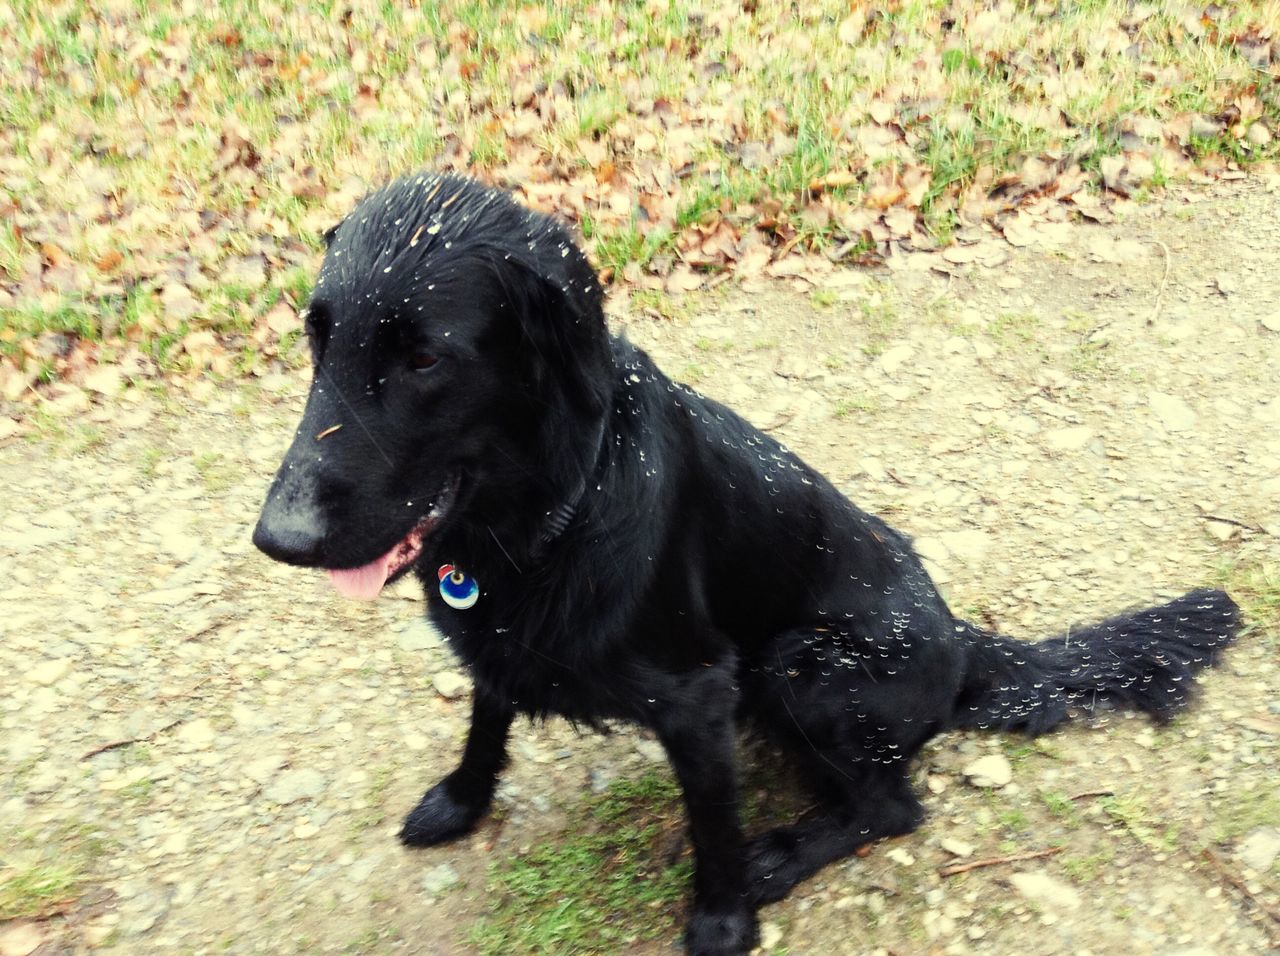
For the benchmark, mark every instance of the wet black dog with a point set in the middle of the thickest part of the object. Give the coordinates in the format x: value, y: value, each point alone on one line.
x: 607, y: 544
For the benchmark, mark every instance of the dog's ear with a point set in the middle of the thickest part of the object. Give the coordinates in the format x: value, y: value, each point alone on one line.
x: 562, y: 326
x: 331, y: 232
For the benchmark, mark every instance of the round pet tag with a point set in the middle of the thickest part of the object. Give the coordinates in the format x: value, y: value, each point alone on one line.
x: 460, y: 591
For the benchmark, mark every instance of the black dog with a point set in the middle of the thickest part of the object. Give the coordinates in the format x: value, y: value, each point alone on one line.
x: 608, y: 544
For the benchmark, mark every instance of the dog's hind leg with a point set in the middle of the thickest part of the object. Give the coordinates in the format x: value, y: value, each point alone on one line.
x: 876, y: 804
x: 454, y: 805
x: 850, y: 707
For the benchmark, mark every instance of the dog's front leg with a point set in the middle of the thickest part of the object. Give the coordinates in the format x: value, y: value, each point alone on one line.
x: 452, y: 807
x: 697, y: 731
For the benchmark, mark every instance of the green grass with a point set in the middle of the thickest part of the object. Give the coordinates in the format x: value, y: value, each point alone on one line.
x: 608, y: 882
x: 42, y: 873
x: 1245, y: 810
x: 1131, y: 812
x: 216, y: 472
x: 1087, y: 868
x: 845, y: 407
x: 1062, y: 807
x: 1255, y: 586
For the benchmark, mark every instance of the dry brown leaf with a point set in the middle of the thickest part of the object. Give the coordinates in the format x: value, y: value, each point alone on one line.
x: 683, y: 279
x: 179, y: 304
x: 282, y: 319
x: 109, y: 260
x: 754, y: 253
x: 53, y: 255
x: 900, y: 220
x: 1019, y: 230
x: 881, y: 112
x: 960, y: 255
x: 884, y: 196
x: 14, y: 381
x: 605, y: 172
x: 201, y: 345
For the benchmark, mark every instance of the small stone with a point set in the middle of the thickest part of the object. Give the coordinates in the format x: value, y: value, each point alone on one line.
x: 262, y: 769
x: 651, y: 750
x: 1068, y: 439
x: 438, y: 879
x: 301, y: 784
x: 1222, y: 531
x: 1045, y: 890
x: 970, y: 545
x: 956, y: 847
x: 990, y: 771
x: 20, y: 939
x: 418, y: 636
x: 47, y: 673
x: 901, y: 856
x: 197, y: 734
x: 1258, y: 134
x: 1260, y: 849
x: 599, y: 779
x: 179, y: 544
x: 305, y: 831
x: 1173, y: 412
x: 770, y: 935
x: 895, y: 358
x: 450, y: 684
x: 55, y: 519
x: 416, y: 741
x: 1271, y: 322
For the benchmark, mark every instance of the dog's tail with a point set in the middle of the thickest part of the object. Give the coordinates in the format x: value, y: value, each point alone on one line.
x: 1145, y: 660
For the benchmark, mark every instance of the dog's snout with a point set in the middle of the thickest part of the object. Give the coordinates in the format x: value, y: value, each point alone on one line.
x: 290, y: 533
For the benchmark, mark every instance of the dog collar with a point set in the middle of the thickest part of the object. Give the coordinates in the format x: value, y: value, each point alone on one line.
x: 461, y: 591
x: 559, y: 518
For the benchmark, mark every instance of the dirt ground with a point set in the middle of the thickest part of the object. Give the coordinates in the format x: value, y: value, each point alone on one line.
x: 213, y: 752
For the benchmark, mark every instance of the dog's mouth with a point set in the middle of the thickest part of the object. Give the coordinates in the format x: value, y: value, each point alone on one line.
x: 366, y: 582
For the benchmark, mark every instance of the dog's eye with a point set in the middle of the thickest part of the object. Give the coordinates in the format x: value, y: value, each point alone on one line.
x: 421, y: 361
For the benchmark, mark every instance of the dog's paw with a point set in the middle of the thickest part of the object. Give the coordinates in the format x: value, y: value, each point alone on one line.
x: 438, y: 817
x: 720, y: 932
x: 771, y: 865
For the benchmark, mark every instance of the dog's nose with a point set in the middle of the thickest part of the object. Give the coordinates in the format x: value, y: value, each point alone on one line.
x: 288, y: 535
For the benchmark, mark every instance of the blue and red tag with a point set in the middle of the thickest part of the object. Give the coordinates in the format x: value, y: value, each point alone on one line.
x: 458, y: 590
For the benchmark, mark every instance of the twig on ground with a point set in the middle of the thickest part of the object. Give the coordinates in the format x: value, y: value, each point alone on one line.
x: 1223, y: 871
x: 782, y: 420
x: 1239, y: 524
x: 1164, y: 281
x: 189, y: 691
x: 125, y: 743
x: 956, y: 868
x: 1086, y: 794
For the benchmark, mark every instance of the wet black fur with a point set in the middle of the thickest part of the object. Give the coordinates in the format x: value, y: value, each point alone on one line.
x: 710, y: 579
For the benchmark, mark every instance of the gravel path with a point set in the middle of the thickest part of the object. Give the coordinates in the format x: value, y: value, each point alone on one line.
x: 212, y: 752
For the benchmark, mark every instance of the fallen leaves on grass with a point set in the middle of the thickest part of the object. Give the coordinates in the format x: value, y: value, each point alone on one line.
x: 164, y: 181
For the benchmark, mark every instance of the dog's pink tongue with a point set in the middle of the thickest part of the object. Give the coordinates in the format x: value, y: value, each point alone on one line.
x: 362, y: 583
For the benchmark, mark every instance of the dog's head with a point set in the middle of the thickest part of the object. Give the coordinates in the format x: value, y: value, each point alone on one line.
x: 447, y: 326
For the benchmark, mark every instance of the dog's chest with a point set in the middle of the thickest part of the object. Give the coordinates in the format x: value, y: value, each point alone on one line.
x: 537, y: 670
